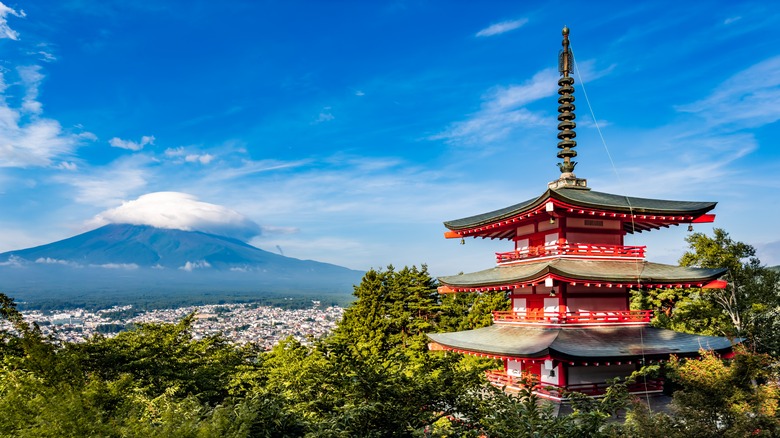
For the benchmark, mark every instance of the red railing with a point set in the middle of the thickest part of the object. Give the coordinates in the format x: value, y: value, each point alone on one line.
x: 500, y: 378
x: 539, y: 316
x: 572, y: 249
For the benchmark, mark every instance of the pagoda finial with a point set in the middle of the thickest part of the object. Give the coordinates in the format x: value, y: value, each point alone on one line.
x: 566, y: 117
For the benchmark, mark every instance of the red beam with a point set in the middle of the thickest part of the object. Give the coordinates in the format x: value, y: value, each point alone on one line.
x: 716, y: 284
x: 445, y: 290
x: 704, y: 219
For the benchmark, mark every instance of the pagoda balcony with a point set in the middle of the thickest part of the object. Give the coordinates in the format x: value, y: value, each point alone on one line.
x: 574, y: 250
x: 599, y: 317
x: 511, y: 383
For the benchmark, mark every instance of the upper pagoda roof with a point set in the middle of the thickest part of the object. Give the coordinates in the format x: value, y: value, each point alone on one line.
x: 593, y: 344
x: 569, y: 194
x: 573, y: 198
x: 596, y: 272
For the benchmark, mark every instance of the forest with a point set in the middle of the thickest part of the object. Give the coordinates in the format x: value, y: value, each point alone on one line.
x: 374, y: 376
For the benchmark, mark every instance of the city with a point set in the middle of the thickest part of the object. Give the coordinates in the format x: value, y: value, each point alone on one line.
x: 239, y: 323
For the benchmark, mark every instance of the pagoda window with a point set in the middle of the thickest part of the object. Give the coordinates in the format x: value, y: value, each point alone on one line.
x: 588, y: 304
x: 603, y: 224
x: 598, y: 374
x: 575, y: 237
x: 546, y: 376
x: 514, y: 368
x: 523, y: 291
x: 536, y: 302
x: 551, y: 304
x: 525, y: 229
x: 544, y: 226
x: 518, y: 304
x: 521, y: 245
x: 594, y: 290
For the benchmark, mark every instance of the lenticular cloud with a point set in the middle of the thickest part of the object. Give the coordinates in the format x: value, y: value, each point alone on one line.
x: 180, y: 211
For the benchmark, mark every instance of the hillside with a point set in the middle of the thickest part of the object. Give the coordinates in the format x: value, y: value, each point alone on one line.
x: 123, y: 263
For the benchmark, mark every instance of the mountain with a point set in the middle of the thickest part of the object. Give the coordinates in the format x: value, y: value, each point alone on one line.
x: 121, y: 260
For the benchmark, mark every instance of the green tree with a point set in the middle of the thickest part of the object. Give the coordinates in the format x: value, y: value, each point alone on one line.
x: 734, y: 398
x: 468, y: 311
x: 749, y: 282
x: 164, y: 356
x: 392, y: 313
x: 749, y: 306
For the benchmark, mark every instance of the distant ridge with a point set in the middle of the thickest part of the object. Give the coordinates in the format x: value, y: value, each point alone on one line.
x: 133, y: 259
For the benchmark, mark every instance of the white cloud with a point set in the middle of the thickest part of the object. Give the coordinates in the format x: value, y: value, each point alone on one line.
x: 502, y: 27
x: 26, y: 138
x: 200, y: 264
x: 131, y: 145
x: 502, y: 111
x: 325, y: 115
x: 180, y: 152
x: 43, y: 56
x: 270, y: 229
x: 542, y: 84
x: 175, y: 152
x: 503, y: 108
x: 31, y: 78
x: 67, y: 165
x: 5, y: 30
x: 109, y: 185
x: 199, y: 158
x: 52, y: 261
x: 36, y: 143
x: 14, y: 261
x: 747, y: 99
x: 175, y: 210
x: 489, y: 126
x: 253, y: 168
x: 116, y: 266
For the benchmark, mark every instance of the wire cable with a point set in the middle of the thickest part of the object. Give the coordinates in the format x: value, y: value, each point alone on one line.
x: 628, y: 201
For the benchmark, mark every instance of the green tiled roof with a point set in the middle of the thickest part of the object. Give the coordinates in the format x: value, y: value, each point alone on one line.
x: 592, y: 270
x: 589, y: 199
x: 586, y: 344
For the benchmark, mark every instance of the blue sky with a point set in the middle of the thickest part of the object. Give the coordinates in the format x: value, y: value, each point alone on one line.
x: 347, y: 131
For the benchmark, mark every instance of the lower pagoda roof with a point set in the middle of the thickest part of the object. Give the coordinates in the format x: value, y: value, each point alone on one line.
x: 641, y: 273
x: 592, y: 344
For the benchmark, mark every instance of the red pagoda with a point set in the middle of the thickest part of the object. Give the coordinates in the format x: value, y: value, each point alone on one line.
x: 568, y: 278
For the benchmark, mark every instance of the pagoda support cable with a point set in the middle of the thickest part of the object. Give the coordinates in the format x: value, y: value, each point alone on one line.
x: 611, y: 161
x: 628, y: 201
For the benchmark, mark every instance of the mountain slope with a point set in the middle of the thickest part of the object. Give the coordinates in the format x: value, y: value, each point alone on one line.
x: 148, y: 246
x: 122, y: 258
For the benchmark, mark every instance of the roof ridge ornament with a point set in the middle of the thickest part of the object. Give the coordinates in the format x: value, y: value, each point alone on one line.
x: 566, y: 118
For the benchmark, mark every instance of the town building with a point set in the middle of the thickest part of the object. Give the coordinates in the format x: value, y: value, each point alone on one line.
x: 568, y: 277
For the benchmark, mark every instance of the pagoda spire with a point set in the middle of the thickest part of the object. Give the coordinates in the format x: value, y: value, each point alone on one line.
x: 566, y: 118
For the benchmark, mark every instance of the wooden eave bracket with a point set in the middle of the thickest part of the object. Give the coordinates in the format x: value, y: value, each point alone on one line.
x: 452, y: 235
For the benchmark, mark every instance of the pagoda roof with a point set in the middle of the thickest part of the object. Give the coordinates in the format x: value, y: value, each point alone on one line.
x: 592, y: 344
x: 574, y: 198
x: 574, y: 270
